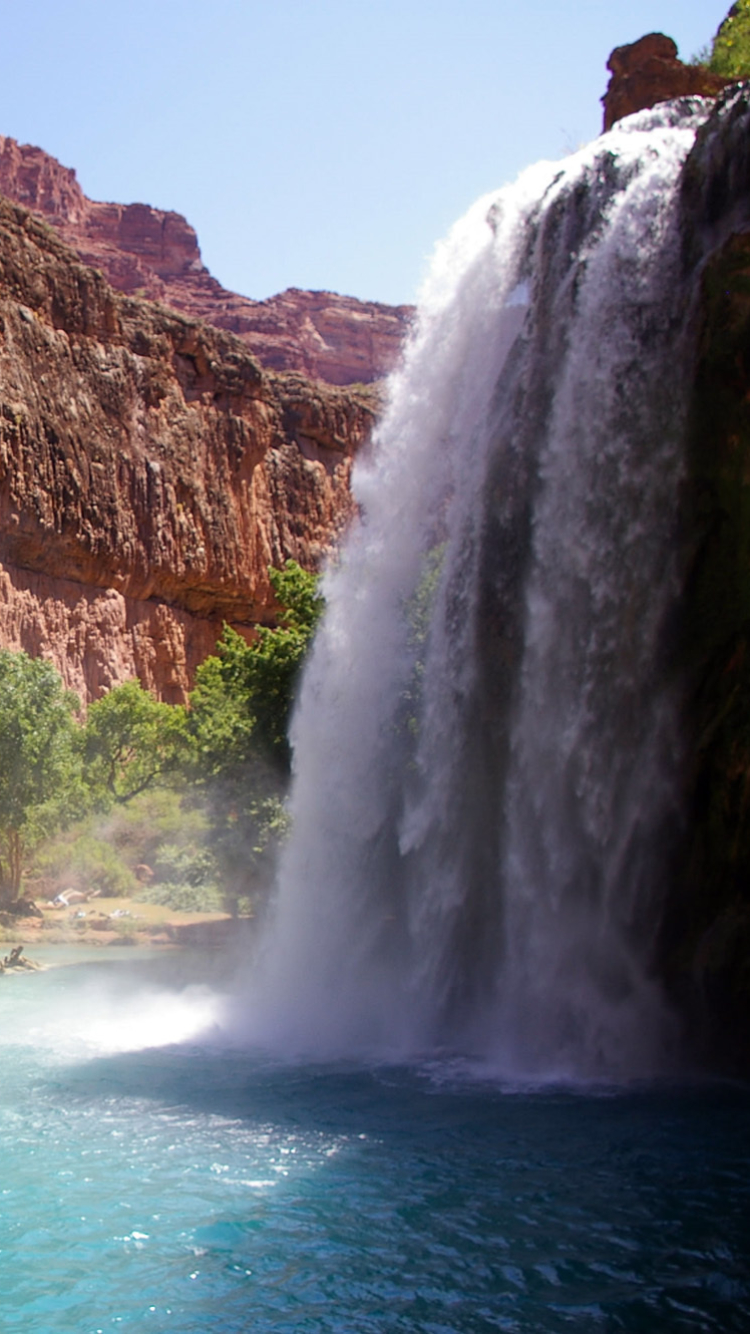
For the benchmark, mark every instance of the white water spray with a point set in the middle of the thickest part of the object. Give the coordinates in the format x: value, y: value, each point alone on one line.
x: 485, y: 748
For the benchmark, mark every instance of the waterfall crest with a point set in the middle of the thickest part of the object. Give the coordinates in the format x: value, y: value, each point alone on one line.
x: 485, y: 743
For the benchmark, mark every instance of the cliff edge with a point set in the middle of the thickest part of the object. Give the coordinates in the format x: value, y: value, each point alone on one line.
x: 150, y: 472
x: 647, y: 72
x: 147, y: 252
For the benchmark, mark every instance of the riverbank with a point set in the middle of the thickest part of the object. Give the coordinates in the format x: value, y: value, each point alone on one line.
x: 119, y: 923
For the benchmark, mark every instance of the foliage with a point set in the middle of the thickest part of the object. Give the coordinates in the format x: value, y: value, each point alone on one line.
x: 249, y: 822
x: 39, y: 769
x: 238, y: 720
x: 196, y: 794
x: 87, y: 862
x: 730, y: 50
x: 131, y: 741
x: 182, y: 897
x: 160, y: 830
x: 243, y: 698
x: 140, y: 828
x: 185, y: 876
x: 702, y: 56
x: 180, y: 865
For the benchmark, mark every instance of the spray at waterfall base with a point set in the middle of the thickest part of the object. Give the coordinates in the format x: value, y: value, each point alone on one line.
x: 489, y: 749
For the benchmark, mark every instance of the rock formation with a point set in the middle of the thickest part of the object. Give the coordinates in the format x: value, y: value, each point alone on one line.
x: 705, y: 943
x: 150, y: 470
x: 147, y: 252
x: 647, y: 72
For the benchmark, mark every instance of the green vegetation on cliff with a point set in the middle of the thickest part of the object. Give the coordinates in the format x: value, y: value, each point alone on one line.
x: 730, y: 51
x: 238, y: 723
x: 240, y: 707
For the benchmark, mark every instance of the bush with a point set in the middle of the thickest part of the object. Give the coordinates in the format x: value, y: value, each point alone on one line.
x: 184, y: 880
x: 730, y: 50
x: 87, y: 863
x: 39, y: 769
x: 183, y: 897
x: 142, y: 827
x: 131, y: 743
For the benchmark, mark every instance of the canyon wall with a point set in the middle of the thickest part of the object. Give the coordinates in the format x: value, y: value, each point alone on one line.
x: 148, y: 252
x: 150, y: 472
x: 705, y: 939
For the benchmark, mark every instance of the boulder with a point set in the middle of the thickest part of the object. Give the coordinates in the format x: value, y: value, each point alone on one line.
x: 647, y: 72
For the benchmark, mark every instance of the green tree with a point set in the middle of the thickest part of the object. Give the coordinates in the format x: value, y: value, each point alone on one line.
x: 131, y: 742
x: 238, y: 719
x: 40, y: 781
x: 240, y: 708
x: 730, y: 50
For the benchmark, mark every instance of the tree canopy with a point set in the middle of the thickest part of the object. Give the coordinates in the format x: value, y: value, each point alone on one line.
x: 39, y: 769
x: 130, y: 742
x: 226, y: 752
x: 730, y: 51
x: 241, y: 705
x: 238, y: 721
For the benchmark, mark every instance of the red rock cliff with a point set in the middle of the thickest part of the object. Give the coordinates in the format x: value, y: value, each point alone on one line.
x: 150, y: 470
x: 148, y: 252
x: 647, y: 72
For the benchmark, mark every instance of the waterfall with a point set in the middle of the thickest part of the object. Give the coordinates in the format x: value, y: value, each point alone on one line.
x: 485, y: 745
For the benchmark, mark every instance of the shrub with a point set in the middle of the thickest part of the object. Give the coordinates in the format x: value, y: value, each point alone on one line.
x: 39, y: 770
x: 730, y: 50
x: 87, y: 863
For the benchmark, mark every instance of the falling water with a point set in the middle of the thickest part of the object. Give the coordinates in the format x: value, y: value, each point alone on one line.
x: 485, y: 745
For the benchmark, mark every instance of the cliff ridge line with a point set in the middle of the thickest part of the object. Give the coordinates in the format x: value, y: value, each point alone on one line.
x: 154, y: 253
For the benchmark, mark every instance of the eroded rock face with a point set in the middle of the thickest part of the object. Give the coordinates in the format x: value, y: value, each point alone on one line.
x: 98, y: 637
x: 151, y: 253
x: 648, y: 71
x: 150, y: 472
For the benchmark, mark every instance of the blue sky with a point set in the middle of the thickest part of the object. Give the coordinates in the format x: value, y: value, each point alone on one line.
x: 317, y: 143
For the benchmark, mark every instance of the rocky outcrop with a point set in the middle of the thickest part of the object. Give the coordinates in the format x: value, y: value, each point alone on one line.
x: 648, y: 71
x: 147, y: 252
x: 705, y: 940
x: 150, y: 472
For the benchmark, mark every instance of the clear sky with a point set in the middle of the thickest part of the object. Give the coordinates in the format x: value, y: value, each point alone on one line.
x: 317, y: 143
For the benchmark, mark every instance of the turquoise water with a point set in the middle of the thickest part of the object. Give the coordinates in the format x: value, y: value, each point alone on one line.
x: 186, y: 1187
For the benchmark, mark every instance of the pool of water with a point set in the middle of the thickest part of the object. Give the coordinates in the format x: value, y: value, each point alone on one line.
x: 155, y: 1179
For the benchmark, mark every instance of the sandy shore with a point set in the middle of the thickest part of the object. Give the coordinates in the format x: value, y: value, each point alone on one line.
x: 117, y: 923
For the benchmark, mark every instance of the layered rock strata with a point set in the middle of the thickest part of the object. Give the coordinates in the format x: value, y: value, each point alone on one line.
x: 150, y: 472
x: 148, y: 252
x: 647, y: 72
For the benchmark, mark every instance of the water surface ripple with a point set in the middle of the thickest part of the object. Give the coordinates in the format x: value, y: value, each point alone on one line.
x: 185, y: 1187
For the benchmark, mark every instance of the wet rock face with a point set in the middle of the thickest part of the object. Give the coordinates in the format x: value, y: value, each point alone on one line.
x: 648, y: 71
x: 704, y: 946
x: 150, y: 472
x: 148, y: 252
